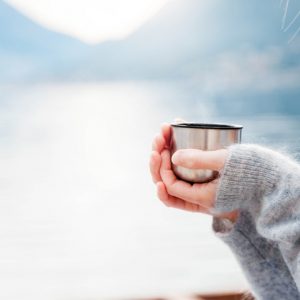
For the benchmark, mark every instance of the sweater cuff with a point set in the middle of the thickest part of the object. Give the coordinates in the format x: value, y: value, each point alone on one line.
x: 222, y: 226
x: 249, y: 173
x: 230, y: 231
x: 241, y: 232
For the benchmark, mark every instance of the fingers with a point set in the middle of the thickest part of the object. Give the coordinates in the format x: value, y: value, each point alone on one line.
x: 174, y: 202
x: 158, y: 143
x: 166, y: 133
x: 162, y: 140
x: 166, y: 171
x: 198, y: 159
x: 200, y: 194
x: 155, y: 163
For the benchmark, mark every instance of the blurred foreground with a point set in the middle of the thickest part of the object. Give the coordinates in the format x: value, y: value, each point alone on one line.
x: 218, y: 296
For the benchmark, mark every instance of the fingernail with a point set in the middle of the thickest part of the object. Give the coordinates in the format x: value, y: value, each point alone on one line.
x: 176, y: 157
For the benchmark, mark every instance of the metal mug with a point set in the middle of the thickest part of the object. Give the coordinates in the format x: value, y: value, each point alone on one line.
x: 205, y: 137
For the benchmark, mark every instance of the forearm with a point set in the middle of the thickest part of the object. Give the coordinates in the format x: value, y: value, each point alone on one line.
x: 267, y: 186
x: 261, y: 260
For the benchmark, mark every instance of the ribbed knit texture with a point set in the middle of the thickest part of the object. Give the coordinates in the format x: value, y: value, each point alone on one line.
x: 265, y: 187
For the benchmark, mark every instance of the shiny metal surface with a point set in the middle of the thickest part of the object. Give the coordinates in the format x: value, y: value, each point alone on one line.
x: 204, y: 137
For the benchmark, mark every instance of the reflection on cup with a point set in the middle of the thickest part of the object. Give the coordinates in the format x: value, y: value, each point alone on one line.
x: 205, y: 137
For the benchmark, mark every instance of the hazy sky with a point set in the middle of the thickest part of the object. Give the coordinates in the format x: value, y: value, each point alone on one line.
x: 91, y: 20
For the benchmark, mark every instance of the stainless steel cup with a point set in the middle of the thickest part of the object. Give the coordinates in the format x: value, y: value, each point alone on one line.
x: 204, y: 137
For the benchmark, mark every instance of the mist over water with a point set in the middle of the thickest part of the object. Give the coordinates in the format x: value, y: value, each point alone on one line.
x: 78, y: 213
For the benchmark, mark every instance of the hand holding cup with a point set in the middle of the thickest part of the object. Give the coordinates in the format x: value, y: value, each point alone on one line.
x: 173, y: 192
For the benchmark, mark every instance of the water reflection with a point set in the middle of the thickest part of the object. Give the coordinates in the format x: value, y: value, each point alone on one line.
x: 79, y: 218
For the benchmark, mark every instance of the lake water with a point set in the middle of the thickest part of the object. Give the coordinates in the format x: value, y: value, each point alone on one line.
x: 79, y: 218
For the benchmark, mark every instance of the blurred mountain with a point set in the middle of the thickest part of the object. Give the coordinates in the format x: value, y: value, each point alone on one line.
x: 28, y: 49
x: 183, y: 40
x: 189, y: 32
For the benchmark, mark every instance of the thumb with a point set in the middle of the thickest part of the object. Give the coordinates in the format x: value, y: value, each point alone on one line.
x: 198, y: 159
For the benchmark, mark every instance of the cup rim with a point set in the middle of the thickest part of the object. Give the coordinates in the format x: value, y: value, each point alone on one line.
x: 207, y: 126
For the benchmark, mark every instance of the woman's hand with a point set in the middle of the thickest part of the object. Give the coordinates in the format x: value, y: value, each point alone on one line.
x: 197, y: 197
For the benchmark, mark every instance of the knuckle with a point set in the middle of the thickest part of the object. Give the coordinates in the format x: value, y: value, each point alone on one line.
x: 154, y: 145
x: 170, y: 190
x: 158, y: 139
x: 160, y: 197
x: 167, y: 204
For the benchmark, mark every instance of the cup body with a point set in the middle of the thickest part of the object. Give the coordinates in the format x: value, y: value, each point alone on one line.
x: 205, y: 137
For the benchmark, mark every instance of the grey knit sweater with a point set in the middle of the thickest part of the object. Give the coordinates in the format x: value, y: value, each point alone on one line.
x: 265, y: 187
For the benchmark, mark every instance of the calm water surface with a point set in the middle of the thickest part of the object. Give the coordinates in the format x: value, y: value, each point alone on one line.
x: 79, y: 217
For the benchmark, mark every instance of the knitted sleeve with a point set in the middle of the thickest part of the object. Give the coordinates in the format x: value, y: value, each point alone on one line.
x: 265, y: 187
